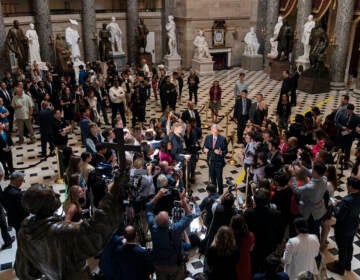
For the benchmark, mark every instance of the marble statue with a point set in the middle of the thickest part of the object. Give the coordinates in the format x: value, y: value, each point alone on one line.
x: 305, y: 39
x: 105, y: 43
x: 17, y: 42
x: 34, y: 47
x: 285, y: 41
x: 252, y: 43
x: 142, y: 35
x: 319, y: 41
x: 171, y: 33
x: 201, y: 47
x: 274, y: 39
x: 72, y: 38
x: 116, y: 35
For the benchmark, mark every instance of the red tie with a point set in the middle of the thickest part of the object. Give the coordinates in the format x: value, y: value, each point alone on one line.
x: 214, y: 142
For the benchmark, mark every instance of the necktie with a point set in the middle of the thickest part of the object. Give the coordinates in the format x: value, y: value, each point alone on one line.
x: 214, y: 142
x: 192, y: 114
x: 7, y: 95
x: 244, y: 106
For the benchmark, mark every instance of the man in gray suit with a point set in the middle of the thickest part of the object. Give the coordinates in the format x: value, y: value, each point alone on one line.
x: 311, y: 196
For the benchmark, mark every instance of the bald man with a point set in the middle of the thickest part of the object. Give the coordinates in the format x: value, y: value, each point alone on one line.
x: 166, y: 238
x: 131, y: 259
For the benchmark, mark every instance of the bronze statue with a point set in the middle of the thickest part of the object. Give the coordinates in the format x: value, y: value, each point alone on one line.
x: 104, y: 44
x: 49, y: 246
x: 142, y: 36
x: 17, y: 42
x: 319, y: 41
x: 285, y: 39
x: 62, y: 53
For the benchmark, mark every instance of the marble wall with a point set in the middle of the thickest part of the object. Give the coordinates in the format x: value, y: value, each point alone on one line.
x: 192, y: 15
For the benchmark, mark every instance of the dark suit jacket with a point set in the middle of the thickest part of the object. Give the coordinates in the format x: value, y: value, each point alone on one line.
x: 185, y: 116
x: 45, y: 118
x: 256, y: 115
x: 220, y: 143
x: 7, y: 102
x: 286, y: 86
x: 239, y: 107
x: 12, y: 202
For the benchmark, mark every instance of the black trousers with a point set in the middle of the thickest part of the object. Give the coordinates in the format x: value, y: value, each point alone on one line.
x: 172, y: 101
x: 293, y: 97
x: 193, y: 91
x: 345, y: 247
x: 7, y: 162
x: 118, y: 107
x: 45, y: 138
x: 345, y: 145
x: 241, y: 124
x: 4, y: 227
x: 102, y: 106
x: 163, y: 101
x: 216, y: 175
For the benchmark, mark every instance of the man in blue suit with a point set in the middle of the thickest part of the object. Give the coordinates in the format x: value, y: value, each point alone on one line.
x: 216, y: 148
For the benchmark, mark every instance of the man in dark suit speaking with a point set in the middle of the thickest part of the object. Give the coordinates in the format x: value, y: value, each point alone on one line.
x: 216, y: 148
x: 241, y: 114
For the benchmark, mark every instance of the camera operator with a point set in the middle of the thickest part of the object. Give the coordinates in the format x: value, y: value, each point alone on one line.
x: 141, y: 179
x: 222, y: 209
x: 167, y: 238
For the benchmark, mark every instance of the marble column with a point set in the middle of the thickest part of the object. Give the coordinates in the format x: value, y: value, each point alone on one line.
x: 4, y: 54
x: 357, y: 83
x: 131, y: 30
x: 344, y: 16
x: 261, y: 24
x: 43, y: 28
x: 167, y: 9
x: 304, y: 8
x: 89, y: 37
x: 271, y: 19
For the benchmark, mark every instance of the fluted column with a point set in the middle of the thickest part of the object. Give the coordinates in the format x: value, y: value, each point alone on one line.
x: 89, y: 29
x: 271, y: 19
x: 43, y: 28
x: 131, y: 28
x: 261, y: 24
x: 344, y: 16
x: 167, y: 10
x: 357, y: 84
x: 304, y: 8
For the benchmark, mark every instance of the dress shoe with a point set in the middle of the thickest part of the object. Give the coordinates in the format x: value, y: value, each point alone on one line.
x: 334, y: 267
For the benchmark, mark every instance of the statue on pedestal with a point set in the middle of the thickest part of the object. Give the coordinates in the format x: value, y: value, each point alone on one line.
x: 105, y: 43
x: 17, y: 42
x: 285, y: 41
x: 252, y: 43
x: 142, y: 36
x: 72, y: 38
x: 116, y: 35
x: 34, y: 47
x: 201, y: 47
x: 171, y: 32
x: 305, y: 39
x: 318, y: 42
x: 274, y: 39
x: 63, y: 54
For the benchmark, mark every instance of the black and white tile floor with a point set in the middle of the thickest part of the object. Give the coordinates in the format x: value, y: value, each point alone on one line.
x: 45, y: 171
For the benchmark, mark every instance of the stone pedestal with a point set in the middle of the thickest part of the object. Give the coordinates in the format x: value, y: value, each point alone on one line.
x: 172, y: 62
x: 203, y: 67
x: 119, y: 59
x: 313, y: 84
x: 148, y: 58
x: 276, y: 69
x: 252, y: 63
x: 305, y: 63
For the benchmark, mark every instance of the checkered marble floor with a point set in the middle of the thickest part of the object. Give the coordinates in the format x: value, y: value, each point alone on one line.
x: 45, y: 171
